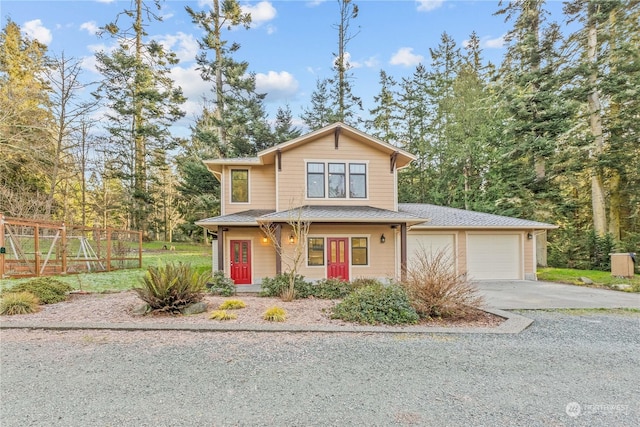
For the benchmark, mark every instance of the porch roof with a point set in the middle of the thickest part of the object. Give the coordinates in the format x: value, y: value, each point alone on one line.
x: 351, y: 214
x: 246, y: 218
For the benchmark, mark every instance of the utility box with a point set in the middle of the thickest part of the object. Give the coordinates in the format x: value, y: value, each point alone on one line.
x: 623, y: 265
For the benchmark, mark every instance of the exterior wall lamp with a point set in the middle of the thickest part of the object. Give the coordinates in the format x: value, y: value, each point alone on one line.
x: 382, y: 238
x: 529, y: 236
x: 291, y: 238
x: 264, y: 239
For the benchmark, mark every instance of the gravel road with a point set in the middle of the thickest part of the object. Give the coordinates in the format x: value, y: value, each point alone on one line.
x: 565, y: 369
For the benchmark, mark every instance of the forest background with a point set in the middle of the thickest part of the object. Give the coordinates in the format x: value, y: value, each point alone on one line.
x: 551, y: 133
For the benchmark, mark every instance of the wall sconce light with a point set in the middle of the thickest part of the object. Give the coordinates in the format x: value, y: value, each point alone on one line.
x: 382, y: 238
x: 264, y: 239
x: 291, y: 238
x: 529, y: 236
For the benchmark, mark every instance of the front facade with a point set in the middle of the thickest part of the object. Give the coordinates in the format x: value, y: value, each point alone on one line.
x: 342, y: 183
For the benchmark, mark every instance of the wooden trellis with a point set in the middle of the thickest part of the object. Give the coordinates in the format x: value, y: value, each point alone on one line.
x: 42, y: 248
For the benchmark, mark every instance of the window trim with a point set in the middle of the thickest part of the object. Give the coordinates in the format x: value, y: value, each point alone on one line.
x: 347, y: 164
x: 366, y: 248
x: 324, y: 261
x: 324, y: 179
x: 231, y: 170
x: 366, y: 194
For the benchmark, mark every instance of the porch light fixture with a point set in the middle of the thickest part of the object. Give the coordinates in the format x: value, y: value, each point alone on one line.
x: 291, y: 238
x: 382, y: 238
x: 529, y: 236
x: 264, y: 239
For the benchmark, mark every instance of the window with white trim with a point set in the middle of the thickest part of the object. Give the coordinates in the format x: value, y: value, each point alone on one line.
x: 341, y: 180
x: 239, y: 185
x: 359, y: 251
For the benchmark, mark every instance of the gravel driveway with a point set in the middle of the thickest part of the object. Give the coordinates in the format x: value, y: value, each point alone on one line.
x: 584, y: 365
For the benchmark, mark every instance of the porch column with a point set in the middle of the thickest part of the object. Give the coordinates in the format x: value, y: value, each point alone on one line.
x: 278, y: 245
x: 220, y: 249
x: 403, y: 251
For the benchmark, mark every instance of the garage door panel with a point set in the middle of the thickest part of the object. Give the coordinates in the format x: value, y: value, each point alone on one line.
x: 431, y: 244
x: 494, y: 256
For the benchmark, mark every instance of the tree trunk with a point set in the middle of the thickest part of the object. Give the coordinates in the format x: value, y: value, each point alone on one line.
x: 598, y: 204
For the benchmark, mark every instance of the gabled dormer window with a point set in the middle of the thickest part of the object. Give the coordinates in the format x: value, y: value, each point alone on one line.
x: 239, y: 186
x: 342, y: 180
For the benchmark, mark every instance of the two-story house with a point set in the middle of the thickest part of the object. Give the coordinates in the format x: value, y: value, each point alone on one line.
x: 344, y: 184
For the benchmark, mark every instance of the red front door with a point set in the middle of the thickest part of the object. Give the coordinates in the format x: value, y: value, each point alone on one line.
x: 241, y: 262
x: 338, y: 258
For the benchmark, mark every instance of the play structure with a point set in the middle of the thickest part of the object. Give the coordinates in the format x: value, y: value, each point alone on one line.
x: 42, y: 248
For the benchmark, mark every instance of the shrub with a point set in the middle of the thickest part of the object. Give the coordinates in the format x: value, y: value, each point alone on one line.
x: 232, y: 304
x: 375, y: 304
x: 171, y: 287
x: 277, y: 286
x: 361, y: 282
x: 435, y: 289
x: 331, y: 289
x: 222, y: 315
x: 19, y: 303
x: 275, y: 314
x: 221, y: 285
x: 47, y: 289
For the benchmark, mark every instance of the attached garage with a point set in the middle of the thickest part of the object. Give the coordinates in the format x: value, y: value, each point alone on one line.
x: 431, y: 243
x: 494, y: 256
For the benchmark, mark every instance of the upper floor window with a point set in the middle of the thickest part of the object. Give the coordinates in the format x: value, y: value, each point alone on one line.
x: 337, y: 181
x: 315, y: 179
x: 357, y: 180
x: 342, y: 180
x: 240, y: 186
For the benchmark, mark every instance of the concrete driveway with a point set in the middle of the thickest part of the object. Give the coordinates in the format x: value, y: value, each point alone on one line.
x: 523, y: 294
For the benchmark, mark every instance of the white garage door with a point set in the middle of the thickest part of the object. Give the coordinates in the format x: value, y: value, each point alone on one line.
x: 494, y: 256
x: 432, y: 243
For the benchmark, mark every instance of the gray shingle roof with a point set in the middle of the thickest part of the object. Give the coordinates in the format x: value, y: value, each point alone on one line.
x: 344, y: 214
x: 455, y: 218
x: 239, y: 218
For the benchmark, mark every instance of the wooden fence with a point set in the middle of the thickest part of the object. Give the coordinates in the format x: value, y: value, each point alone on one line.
x: 42, y: 248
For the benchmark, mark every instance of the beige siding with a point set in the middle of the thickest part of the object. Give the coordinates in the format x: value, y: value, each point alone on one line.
x: 529, y: 255
x: 292, y: 177
x: 262, y: 189
x: 263, y: 259
x: 381, y: 256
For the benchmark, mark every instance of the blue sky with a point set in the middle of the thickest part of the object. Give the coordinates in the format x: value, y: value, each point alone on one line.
x: 289, y: 45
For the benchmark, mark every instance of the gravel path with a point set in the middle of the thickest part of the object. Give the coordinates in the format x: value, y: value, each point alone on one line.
x: 92, y: 378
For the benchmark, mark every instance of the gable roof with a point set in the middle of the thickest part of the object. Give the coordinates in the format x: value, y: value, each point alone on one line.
x: 445, y: 217
x: 267, y: 156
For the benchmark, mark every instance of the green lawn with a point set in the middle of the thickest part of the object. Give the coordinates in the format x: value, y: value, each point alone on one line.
x: 199, y: 256
x: 600, y: 278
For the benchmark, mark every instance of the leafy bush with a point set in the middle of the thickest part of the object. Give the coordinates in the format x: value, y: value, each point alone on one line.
x: 222, y: 315
x: 232, y: 304
x: 361, y: 282
x: 375, y: 304
x: 19, y: 303
x: 275, y: 314
x: 331, y: 289
x: 171, y: 287
x: 277, y: 286
x: 435, y: 289
x: 47, y: 289
x: 221, y: 285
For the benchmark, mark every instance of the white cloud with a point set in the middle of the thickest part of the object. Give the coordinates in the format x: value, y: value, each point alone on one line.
x: 405, y: 56
x: 495, y: 43
x: 371, y: 62
x: 428, y: 5
x: 314, y: 3
x: 35, y: 30
x: 105, y: 1
x: 271, y: 29
x: 260, y: 13
x: 277, y: 85
x: 184, y: 45
x: 90, y: 26
x: 193, y: 87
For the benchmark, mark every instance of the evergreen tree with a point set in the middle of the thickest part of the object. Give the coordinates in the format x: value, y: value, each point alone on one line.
x: 321, y: 112
x: 385, y: 116
x: 143, y: 103
x: 284, y: 130
x: 26, y: 144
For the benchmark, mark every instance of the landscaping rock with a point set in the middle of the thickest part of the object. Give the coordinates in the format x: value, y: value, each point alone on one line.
x: 586, y: 281
x: 196, y: 308
x: 623, y: 286
x: 141, y: 310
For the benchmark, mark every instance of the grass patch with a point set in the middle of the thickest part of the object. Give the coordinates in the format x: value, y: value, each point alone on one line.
x: 633, y: 312
x: 602, y: 279
x: 222, y: 315
x: 198, y: 256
